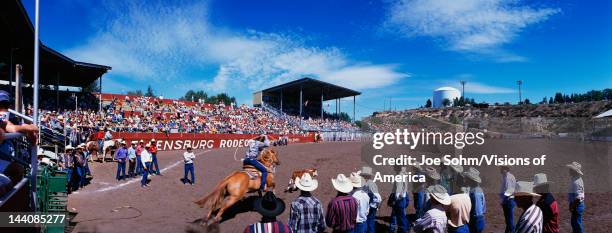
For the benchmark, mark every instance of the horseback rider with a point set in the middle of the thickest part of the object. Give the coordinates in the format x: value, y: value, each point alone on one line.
x: 256, y: 145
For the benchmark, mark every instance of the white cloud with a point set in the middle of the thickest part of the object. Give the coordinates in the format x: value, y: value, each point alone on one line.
x: 470, y: 26
x: 157, y: 42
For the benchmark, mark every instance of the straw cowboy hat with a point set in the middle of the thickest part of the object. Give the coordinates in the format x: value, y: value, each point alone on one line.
x: 457, y: 168
x: 432, y: 173
x: 540, y: 179
x: 439, y: 193
x: 524, y: 188
x: 269, y: 205
x: 366, y: 171
x: 356, y: 180
x: 576, y: 167
x: 68, y: 147
x: 472, y: 174
x: 306, y: 183
x: 342, y: 184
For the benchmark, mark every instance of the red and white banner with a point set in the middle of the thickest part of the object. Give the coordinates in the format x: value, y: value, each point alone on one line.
x: 180, y: 141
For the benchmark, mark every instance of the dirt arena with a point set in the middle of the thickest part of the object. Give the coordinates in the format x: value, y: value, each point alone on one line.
x: 107, y: 205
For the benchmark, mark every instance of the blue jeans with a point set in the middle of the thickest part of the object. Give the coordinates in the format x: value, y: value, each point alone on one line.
x: 477, y: 224
x: 576, y: 219
x: 398, y: 216
x: 189, y: 169
x: 145, y: 176
x: 508, y: 205
x: 154, y: 164
x: 360, y: 227
x: 139, y: 168
x: 120, y: 169
x: 371, y: 222
x: 78, y: 175
x: 462, y: 229
x: 261, y: 168
x: 419, y: 204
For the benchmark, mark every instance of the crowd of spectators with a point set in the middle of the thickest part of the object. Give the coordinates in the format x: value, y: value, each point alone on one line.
x: 148, y: 114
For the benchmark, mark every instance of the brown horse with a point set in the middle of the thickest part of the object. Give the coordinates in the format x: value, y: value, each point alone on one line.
x: 298, y: 173
x: 238, y: 184
x: 93, y: 149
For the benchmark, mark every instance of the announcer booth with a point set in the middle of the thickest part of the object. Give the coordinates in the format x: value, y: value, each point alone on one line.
x: 303, y: 97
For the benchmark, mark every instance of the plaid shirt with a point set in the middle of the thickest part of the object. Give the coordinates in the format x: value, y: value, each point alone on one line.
x: 306, y: 215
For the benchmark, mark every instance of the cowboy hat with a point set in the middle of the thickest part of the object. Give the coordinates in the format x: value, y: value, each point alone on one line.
x: 366, y: 171
x: 432, y: 173
x: 472, y: 174
x: 417, y: 166
x: 306, y: 183
x: 576, y: 167
x: 152, y: 139
x: 82, y: 144
x: 356, y: 180
x: 269, y: 205
x: 123, y: 142
x: 148, y: 145
x: 439, y: 193
x: 342, y: 184
x: 540, y: 179
x: 524, y: 188
x: 68, y: 147
x: 457, y: 168
x: 141, y: 141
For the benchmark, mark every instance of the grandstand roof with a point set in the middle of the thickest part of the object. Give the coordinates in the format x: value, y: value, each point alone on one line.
x: 314, y: 87
x: 17, y: 40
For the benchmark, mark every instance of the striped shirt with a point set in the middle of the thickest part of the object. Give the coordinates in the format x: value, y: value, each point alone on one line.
x: 434, y: 221
x: 268, y: 227
x: 341, y: 213
x: 530, y: 221
x: 306, y: 215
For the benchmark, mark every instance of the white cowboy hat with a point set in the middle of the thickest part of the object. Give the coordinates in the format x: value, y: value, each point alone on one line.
x: 439, y: 193
x: 366, y: 171
x: 82, y: 144
x: 342, y: 184
x: 432, y: 173
x: 47, y: 161
x: 148, y: 145
x: 524, y: 188
x: 152, y: 139
x: 356, y: 180
x: 576, y: 167
x: 457, y: 168
x: 472, y: 174
x: 68, y: 147
x: 306, y: 183
x: 540, y: 179
x: 134, y: 142
x: 141, y: 141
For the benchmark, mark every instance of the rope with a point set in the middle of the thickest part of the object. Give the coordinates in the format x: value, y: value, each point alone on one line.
x: 116, y: 210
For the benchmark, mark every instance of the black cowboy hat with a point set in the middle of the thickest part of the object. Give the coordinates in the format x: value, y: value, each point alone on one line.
x: 269, y: 205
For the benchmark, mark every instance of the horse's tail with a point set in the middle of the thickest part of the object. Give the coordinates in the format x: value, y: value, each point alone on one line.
x: 216, y: 196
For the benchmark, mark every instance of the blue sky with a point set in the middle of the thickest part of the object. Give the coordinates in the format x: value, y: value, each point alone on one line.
x: 399, y: 50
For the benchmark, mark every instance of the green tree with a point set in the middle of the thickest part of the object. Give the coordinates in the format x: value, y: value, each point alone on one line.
x: 135, y: 93
x: 446, y: 102
x: 428, y: 103
x: 150, y: 92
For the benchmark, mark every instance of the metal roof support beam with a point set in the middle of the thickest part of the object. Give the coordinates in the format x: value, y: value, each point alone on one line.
x: 301, y: 101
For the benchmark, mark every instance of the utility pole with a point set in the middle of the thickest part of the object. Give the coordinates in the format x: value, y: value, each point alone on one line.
x: 463, y: 88
x: 520, y: 82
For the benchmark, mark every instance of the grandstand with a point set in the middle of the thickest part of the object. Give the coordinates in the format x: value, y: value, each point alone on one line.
x: 303, y: 97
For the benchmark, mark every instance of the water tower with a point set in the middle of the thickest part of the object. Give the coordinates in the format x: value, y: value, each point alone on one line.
x: 442, y: 93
